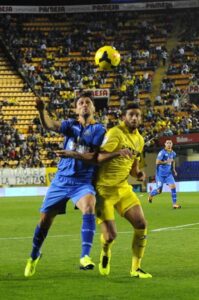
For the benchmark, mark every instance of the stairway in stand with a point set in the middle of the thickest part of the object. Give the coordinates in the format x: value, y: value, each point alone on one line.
x: 172, y: 42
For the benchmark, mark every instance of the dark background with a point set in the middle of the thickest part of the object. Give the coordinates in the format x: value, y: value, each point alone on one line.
x: 70, y: 2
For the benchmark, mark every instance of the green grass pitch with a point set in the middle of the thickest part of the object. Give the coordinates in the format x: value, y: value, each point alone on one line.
x: 171, y: 255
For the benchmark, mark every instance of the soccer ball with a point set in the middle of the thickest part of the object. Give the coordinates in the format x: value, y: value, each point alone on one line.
x: 107, y: 58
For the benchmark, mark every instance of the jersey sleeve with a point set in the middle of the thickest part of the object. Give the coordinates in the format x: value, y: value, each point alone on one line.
x: 160, y: 155
x: 99, y: 135
x: 66, y: 126
x: 174, y: 155
x: 141, y: 144
x: 111, y: 140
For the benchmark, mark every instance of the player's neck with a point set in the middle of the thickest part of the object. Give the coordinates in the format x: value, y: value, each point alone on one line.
x: 86, y: 120
x: 131, y: 130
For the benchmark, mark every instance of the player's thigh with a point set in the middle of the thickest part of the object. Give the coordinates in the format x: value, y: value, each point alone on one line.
x: 83, y: 196
x: 128, y: 199
x: 86, y: 203
x: 135, y: 216
x: 170, y: 181
x: 159, y: 181
x: 105, y: 201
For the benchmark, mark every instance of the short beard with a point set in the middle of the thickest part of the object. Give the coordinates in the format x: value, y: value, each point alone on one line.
x: 86, y: 116
x: 131, y: 128
x: 134, y: 127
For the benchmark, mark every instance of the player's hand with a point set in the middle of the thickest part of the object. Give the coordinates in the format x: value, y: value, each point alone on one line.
x: 127, y: 153
x: 175, y: 173
x: 169, y: 161
x: 40, y: 106
x: 141, y: 176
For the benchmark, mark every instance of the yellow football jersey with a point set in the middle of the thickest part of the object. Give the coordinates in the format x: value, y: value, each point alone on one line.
x: 115, y: 171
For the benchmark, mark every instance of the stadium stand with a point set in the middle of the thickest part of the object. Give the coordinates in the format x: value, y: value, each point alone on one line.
x: 57, y: 56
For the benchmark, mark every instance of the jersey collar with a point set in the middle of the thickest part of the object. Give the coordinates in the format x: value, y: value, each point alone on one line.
x: 169, y: 151
x: 92, y: 121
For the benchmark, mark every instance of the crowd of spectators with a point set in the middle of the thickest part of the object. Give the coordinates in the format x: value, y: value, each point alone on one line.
x: 36, y: 147
x: 128, y: 32
x: 19, y: 150
x: 183, y: 60
x: 131, y: 35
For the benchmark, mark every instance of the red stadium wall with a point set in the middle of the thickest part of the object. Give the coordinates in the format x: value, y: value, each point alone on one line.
x: 182, y: 139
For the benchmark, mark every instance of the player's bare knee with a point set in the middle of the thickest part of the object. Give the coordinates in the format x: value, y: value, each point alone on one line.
x: 172, y: 186
x: 112, y: 236
x: 159, y: 191
x: 141, y: 224
x: 88, y: 209
x: 86, y: 206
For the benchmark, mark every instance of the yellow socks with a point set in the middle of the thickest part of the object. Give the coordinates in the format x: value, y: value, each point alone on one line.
x: 105, y: 246
x: 138, y: 247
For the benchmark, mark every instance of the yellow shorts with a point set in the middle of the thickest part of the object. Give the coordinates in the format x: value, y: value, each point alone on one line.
x: 109, y: 198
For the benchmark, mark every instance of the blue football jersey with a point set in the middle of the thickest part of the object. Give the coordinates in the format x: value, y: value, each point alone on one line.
x: 166, y: 169
x: 81, y: 139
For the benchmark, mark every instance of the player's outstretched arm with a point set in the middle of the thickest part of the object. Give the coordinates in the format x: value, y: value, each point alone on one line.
x: 46, y: 121
x: 104, y: 156
x: 90, y: 157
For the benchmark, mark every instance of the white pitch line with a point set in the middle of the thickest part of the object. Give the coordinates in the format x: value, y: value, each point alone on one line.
x: 54, y: 236
x: 173, y: 227
x: 30, y: 237
x: 120, y: 232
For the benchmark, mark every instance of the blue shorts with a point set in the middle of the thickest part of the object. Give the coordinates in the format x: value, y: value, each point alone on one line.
x: 160, y: 180
x: 61, y: 190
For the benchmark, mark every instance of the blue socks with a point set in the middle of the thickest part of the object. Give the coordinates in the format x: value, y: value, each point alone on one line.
x: 174, y: 195
x: 88, y: 231
x: 154, y: 192
x: 39, y: 236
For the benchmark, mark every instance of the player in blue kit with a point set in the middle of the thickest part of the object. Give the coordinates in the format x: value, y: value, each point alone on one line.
x: 73, y: 179
x: 165, y: 165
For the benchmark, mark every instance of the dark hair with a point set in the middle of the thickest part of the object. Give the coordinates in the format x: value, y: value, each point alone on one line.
x: 129, y: 106
x: 84, y: 94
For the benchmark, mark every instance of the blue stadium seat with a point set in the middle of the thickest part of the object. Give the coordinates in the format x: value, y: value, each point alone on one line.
x: 188, y: 170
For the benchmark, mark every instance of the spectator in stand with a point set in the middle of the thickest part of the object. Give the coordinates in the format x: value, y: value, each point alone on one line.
x: 164, y: 55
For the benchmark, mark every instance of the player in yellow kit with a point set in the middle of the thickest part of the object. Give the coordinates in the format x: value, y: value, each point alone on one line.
x: 119, y: 157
